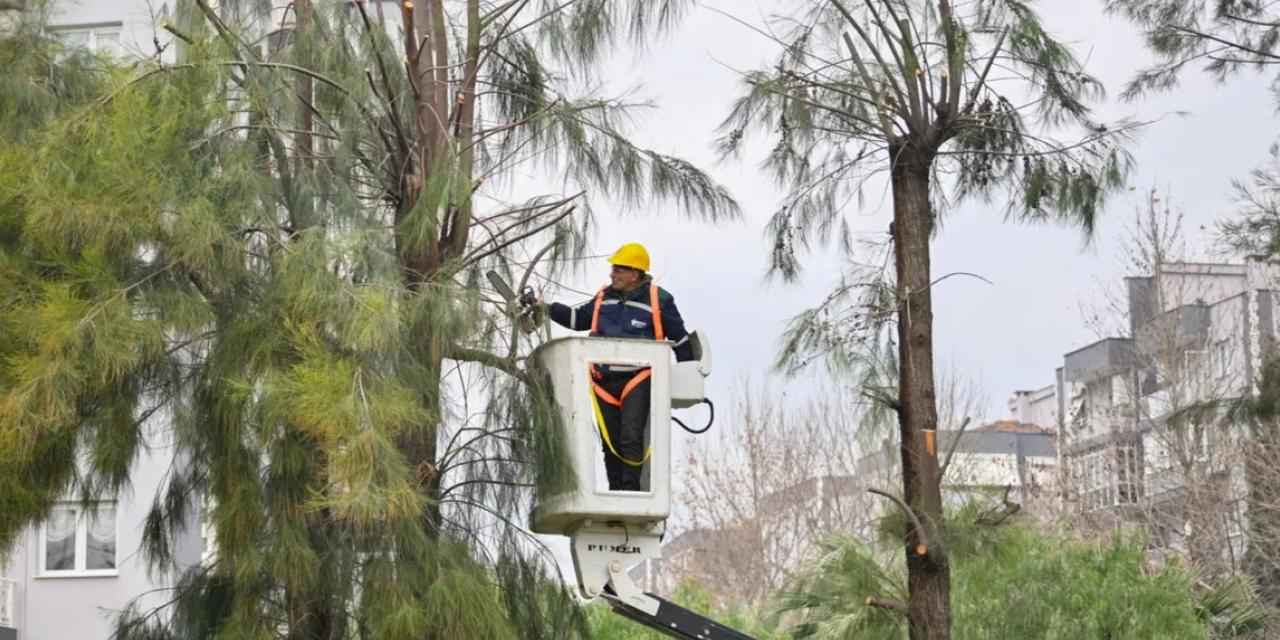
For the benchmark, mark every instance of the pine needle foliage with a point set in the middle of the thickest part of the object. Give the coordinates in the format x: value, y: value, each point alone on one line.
x: 270, y: 247
x: 605, y: 625
x: 1010, y: 581
x: 1221, y: 38
x: 1255, y: 229
x: 994, y: 105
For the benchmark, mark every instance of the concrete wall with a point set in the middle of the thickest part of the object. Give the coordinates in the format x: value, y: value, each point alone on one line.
x: 1101, y: 358
x: 1182, y: 283
x: 1038, y: 407
x: 65, y: 607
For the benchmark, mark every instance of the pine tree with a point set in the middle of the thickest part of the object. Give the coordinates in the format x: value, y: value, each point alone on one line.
x: 274, y: 247
x: 42, y: 82
x: 935, y: 95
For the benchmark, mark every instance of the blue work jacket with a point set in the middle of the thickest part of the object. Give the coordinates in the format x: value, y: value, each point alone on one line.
x: 628, y: 315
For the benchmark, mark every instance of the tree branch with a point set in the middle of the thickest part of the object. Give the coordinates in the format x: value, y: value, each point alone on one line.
x: 875, y: 52
x: 467, y: 354
x: 877, y: 98
x: 392, y: 110
x: 477, y: 254
x: 896, y: 606
x: 882, y: 397
x: 1258, y: 23
x: 982, y: 77
x: 1234, y: 45
x: 996, y: 516
x: 524, y: 282
x: 922, y: 547
x: 951, y: 450
x: 955, y: 60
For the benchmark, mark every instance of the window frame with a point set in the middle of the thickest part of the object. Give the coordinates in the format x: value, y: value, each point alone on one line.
x: 81, y: 552
x: 94, y: 31
x: 1129, y: 473
x: 1098, y: 490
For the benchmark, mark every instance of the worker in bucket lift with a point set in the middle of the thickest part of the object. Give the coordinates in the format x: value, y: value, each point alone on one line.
x: 630, y: 306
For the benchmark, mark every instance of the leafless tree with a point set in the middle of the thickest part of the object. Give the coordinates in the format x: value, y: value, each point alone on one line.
x: 793, y: 472
x: 761, y: 495
x: 1154, y: 443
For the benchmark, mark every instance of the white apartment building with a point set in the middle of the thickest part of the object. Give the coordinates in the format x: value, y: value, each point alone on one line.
x: 1141, y: 417
x: 68, y: 577
x: 129, y: 28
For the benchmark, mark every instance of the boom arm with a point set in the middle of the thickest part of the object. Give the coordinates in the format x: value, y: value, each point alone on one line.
x: 661, y: 614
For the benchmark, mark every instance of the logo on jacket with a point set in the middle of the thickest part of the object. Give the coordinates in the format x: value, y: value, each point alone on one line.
x: 637, y: 324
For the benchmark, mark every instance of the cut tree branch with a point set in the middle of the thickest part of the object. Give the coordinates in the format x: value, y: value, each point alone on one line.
x: 922, y: 546
x: 896, y: 606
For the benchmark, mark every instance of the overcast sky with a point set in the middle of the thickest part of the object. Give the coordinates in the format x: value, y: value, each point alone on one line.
x: 1008, y: 335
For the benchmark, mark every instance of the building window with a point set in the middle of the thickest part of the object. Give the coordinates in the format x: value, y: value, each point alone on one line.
x: 79, y: 540
x: 1128, y: 473
x: 101, y: 38
x: 1096, y: 483
x: 1221, y: 358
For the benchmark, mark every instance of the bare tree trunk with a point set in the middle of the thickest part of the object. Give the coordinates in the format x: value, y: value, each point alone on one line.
x: 427, y: 59
x: 928, y: 574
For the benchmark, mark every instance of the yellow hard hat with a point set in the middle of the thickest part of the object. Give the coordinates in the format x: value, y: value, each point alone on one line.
x: 631, y: 255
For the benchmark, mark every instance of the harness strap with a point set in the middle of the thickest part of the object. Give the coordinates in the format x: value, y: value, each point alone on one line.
x: 626, y: 389
x: 658, y: 333
x: 655, y: 311
x: 601, y: 394
x: 595, y: 313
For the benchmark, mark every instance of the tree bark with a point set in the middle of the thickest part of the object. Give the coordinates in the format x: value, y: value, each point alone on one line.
x: 427, y: 59
x: 420, y: 445
x: 928, y: 574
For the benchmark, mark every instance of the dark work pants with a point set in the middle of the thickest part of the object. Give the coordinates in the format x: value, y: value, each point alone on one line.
x: 626, y: 427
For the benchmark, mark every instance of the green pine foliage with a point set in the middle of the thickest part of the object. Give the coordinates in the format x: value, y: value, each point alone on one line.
x: 980, y: 96
x: 1221, y: 38
x: 606, y: 625
x: 1011, y: 581
x: 290, y: 290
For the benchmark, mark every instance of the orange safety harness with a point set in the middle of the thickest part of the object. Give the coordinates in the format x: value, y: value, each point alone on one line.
x: 601, y: 394
x: 658, y: 333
